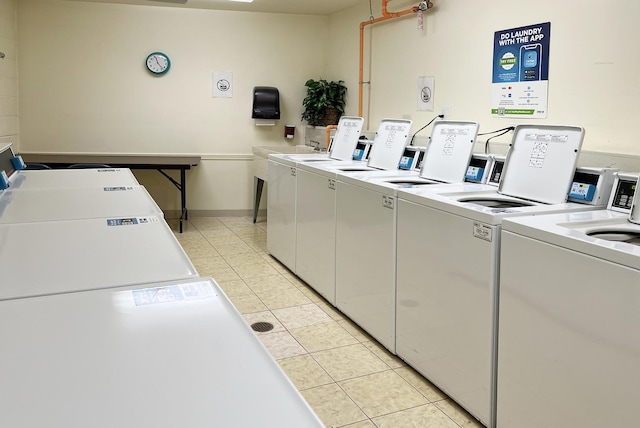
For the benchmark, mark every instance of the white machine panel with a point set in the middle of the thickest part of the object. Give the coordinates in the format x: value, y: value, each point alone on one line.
x: 568, y: 313
x: 64, y: 256
x: 541, y: 163
x: 346, y: 138
x: 391, y: 138
x: 365, y: 288
x: 449, y: 151
x: 316, y: 232
x: 163, y: 355
x: 72, y: 178
x: 25, y: 206
x: 281, y: 212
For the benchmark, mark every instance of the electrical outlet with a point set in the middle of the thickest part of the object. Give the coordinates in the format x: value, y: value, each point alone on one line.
x: 446, y: 112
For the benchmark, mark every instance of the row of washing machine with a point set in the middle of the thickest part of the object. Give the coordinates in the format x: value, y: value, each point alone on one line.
x: 105, y: 322
x: 414, y: 257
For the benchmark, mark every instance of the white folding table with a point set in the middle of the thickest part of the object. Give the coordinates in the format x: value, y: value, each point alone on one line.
x: 154, y: 356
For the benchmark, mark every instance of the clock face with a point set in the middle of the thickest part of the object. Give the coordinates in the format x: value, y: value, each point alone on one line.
x: 158, y: 63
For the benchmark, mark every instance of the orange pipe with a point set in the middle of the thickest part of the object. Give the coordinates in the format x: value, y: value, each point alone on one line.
x: 329, y: 128
x: 386, y: 15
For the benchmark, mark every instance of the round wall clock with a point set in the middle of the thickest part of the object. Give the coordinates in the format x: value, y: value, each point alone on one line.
x: 158, y: 63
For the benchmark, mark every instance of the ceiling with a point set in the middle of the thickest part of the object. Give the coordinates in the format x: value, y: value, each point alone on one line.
x: 304, y: 7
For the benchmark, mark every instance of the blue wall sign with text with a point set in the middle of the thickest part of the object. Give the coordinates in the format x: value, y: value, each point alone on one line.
x: 520, y: 75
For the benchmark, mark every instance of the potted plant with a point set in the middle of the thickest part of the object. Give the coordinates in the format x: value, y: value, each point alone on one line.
x: 325, y: 102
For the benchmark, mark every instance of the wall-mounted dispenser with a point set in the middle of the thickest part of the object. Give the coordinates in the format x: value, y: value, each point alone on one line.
x: 266, y: 103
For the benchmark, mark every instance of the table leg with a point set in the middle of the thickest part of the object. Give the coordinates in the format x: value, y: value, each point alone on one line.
x: 258, y: 183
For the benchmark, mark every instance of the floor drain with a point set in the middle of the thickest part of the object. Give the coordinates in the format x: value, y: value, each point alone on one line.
x: 262, y: 326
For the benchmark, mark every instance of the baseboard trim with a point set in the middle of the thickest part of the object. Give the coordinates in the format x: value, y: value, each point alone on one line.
x: 175, y: 214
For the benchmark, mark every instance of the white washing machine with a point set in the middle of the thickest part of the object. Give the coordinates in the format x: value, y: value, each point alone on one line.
x: 23, y: 206
x: 366, y: 228
x: 161, y: 355
x: 448, y: 259
x: 569, y: 348
x: 72, y: 178
x: 64, y: 256
x: 281, y: 200
x: 316, y: 205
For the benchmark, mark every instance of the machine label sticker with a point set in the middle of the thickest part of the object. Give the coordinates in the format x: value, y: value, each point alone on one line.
x: 121, y: 221
x: 482, y: 231
x: 332, y: 184
x: 109, y: 170
x: 387, y: 202
x: 118, y: 189
x: 131, y: 221
x: 172, y: 293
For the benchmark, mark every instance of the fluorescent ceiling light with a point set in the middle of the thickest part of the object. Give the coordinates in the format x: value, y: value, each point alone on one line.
x: 243, y: 1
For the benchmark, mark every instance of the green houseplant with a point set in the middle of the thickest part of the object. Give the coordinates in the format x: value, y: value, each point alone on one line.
x: 325, y: 102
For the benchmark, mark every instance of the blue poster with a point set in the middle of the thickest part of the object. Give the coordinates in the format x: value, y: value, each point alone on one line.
x: 520, y: 75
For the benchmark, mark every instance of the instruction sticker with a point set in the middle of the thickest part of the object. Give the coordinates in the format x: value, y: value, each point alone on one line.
x: 118, y: 188
x: 131, y: 221
x: 172, y: 293
x: 482, y: 231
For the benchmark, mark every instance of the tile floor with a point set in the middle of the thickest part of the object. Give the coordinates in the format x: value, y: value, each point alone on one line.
x: 345, y: 375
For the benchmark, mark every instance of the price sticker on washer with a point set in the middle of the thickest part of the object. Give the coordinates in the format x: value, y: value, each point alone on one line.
x: 482, y: 231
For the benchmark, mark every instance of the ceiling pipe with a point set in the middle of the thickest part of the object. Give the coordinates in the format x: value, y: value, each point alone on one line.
x: 386, y: 15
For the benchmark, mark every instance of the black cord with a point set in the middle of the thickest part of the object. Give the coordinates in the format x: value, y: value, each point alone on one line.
x: 441, y: 116
x: 486, y: 143
x: 508, y: 128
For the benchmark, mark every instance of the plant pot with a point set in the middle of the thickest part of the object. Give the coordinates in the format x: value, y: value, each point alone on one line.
x: 331, y: 117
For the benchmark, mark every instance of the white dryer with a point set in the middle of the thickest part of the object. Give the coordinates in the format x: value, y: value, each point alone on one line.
x: 281, y: 200
x: 316, y: 205
x: 24, y: 206
x: 64, y: 256
x: 569, y: 349
x: 448, y: 259
x: 72, y: 178
x: 160, y: 355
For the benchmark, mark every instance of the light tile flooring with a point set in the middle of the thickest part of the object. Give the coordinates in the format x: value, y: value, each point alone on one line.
x: 346, y: 376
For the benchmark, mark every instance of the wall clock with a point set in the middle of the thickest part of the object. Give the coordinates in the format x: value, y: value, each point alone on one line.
x: 158, y: 63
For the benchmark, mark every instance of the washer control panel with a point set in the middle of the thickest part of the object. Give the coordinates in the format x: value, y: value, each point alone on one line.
x: 624, y: 189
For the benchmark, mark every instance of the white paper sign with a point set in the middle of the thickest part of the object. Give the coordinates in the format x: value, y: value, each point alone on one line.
x: 222, y: 85
x: 425, y: 93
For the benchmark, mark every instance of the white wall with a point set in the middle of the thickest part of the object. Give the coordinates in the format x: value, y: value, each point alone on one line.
x: 593, y: 66
x: 84, y: 87
x: 8, y: 73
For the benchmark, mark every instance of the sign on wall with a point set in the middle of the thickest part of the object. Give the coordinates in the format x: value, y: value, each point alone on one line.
x: 222, y: 85
x: 521, y: 72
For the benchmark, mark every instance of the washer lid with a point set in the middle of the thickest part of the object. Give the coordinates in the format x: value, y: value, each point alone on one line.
x: 449, y: 151
x: 541, y: 162
x: 346, y: 138
x: 388, y: 146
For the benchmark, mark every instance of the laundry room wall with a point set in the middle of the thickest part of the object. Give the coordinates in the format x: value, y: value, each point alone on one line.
x: 8, y: 73
x: 84, y: 87
x: 592, y: 74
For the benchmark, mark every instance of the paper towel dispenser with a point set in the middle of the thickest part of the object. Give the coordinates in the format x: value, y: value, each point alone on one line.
x: 266, y: 103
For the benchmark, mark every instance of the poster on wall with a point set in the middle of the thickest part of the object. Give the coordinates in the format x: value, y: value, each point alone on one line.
x: 521, y: 72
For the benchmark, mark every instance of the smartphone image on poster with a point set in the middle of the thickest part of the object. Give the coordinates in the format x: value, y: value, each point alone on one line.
x: 530, y: 62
